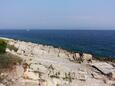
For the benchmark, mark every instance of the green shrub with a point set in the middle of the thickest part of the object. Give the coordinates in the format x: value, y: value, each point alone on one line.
x: 3, y: 45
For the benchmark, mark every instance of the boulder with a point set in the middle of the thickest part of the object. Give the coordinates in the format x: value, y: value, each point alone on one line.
x: 113, y: 75
x: 2, y: 84
x: 103, y: 67
x: 74, y: 57
x: 77, y: 56
x: 87, y: 57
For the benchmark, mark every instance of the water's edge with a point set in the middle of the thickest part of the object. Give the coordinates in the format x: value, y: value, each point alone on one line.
x: 96, y: 57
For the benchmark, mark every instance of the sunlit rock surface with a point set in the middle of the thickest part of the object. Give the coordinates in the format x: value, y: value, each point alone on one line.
x: 48, y: 66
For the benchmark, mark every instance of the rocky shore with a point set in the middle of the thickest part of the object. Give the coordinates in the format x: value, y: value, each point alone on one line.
x: 49, y: 66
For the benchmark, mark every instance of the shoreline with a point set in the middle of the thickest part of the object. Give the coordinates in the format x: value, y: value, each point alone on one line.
x: 76, y: 41
x: 57, y: 67
x: 96, y: 57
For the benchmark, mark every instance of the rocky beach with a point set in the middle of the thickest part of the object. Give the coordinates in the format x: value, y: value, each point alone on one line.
x: 44, y: 65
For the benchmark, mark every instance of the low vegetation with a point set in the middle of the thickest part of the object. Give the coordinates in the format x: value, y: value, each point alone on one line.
x: 68, y: 77
x: 3, y: 45
x: 7, y: 59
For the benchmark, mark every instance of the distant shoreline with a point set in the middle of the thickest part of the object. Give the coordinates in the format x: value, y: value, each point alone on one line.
x: 65, y: 29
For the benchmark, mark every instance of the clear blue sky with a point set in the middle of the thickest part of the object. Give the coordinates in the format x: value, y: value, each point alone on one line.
x: 56, y: 14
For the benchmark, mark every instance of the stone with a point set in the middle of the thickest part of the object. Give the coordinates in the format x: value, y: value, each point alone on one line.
x: 49, y: 66
x: 113, y: 75
x: 103, y: 67
x: 82, y: 76
x: 2, y: 84
x: 35, y: 51
x: 7, y: 50
x: 110, y: 83
x: 87, y: 57
x: 77, y: 57
x: 96, y: 75
x: 30, y: 75
x: 34, y: 67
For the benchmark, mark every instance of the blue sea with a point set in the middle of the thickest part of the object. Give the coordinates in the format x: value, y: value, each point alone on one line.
x: 97, y: 42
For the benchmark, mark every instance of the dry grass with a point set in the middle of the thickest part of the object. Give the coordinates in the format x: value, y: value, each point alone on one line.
x: 7, y: 60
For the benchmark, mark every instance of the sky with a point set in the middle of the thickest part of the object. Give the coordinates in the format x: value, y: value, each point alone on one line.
x: 57, y: 14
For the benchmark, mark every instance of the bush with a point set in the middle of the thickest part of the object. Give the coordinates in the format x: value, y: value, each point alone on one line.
x: 3, y: 45
x: 7, y: 60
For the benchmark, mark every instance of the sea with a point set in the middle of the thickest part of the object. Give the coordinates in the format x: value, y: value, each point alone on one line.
x: 97, y: 42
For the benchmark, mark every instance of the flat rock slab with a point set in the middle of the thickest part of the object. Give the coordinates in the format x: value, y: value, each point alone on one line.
x: 103, y: 67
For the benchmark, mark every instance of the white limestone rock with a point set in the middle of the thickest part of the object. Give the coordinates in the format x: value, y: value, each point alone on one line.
x: 104, y: 67
x: 113, y: 75
x: 40, y: 57
x: 2, y: 84
x: 28, y: 74
x: 82, y: 76
x: 87, y: 57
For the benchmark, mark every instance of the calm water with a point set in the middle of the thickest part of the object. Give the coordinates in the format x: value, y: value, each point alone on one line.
x: 99, y: 43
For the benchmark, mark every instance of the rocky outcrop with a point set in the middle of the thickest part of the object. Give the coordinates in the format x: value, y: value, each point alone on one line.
x: 48, y: 66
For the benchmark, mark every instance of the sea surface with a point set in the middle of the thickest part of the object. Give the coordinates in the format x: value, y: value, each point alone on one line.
x: 97, y: 42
